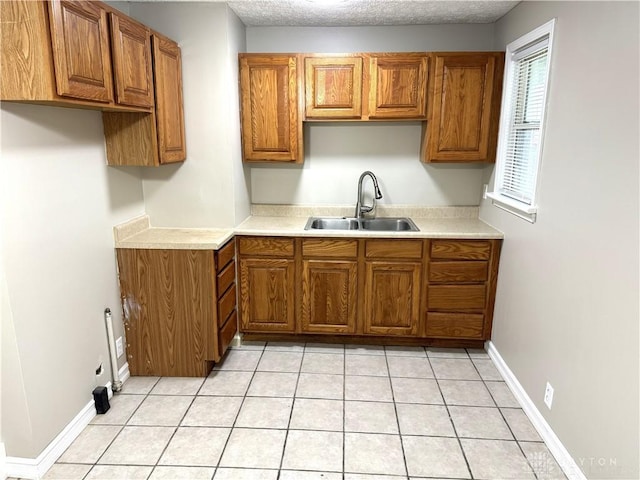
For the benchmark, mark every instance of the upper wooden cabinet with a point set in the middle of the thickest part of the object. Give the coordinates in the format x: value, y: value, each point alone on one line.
x: 333, y: 87
x: 398, y: 86
x: 270, y: 117
x: 131, y: 47
x: 464, y: 107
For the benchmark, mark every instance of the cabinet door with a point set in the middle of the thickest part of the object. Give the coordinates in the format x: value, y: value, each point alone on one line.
x: 271, y: 126
x: 168, y: 89
x: 131, y: 48
x: 398, y: 86
x: 333, y: 87
x: 329, y: 296
x: 463, y: 123
x: 80, y: 39
x: 267, y: 292
x: 392, y: 298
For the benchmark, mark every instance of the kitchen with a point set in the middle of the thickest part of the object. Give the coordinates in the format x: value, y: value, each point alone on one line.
x: 557, y: 282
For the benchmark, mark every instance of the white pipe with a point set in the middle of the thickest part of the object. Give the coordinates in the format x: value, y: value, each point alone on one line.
x: 117, y: 384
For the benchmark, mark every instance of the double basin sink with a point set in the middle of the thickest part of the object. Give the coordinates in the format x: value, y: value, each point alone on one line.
x: 386, y: 224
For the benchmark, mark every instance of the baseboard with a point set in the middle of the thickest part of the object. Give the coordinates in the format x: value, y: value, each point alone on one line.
x: 3, y: 462
x: 34, y: 469
x: 555, y: 446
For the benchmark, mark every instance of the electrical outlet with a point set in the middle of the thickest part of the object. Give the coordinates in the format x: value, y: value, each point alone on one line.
x: 548, y: 395
x: 119, y: 348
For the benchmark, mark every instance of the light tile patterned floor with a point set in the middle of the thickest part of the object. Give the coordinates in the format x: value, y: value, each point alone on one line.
x: 309, y: 412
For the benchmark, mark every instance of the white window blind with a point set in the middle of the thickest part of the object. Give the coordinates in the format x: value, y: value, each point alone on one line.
x: 521, y: 128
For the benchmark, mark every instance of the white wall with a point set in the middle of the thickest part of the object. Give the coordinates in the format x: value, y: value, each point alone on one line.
x: 336, y: 154
x: 199, y: 192
x: 567, y: 305
x: 59, y: 203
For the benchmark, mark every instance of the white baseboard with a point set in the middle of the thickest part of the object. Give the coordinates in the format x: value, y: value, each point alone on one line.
x: 34, y: 469
x: 3, y: 462
x: 555, y: 446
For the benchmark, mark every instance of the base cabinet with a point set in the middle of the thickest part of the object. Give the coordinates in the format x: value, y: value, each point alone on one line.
x: 179, y: 309
x: 428, y: 290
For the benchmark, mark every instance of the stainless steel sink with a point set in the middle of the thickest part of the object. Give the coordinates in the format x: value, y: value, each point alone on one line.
x: 387, y: 224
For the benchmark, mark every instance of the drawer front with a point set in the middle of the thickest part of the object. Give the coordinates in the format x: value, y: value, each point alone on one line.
x: 461, y: 249
x: 225, y: 255
x: 394, y: 249
x: 455, y: 325
x: 316, y: 247
x: 226, y: 305
x: 458, y: 272
x: 226, y: 278
x: 227, y: 332
x: 456, y: 298
x: 266, y: 246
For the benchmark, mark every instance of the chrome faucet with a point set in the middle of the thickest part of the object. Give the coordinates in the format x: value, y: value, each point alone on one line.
x: 361, y: 209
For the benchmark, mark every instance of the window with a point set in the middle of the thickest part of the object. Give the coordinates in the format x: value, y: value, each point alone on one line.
x: 521, y: 125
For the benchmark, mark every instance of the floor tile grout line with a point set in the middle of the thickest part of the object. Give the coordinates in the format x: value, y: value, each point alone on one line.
x: 395, y: 409
x: 344, y: 412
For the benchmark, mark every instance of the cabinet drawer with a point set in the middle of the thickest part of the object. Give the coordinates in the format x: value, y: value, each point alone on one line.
x: 266, y: 246
x: 455, y: 325
x: 226, y: 278
x: 226, y: 304
x: 227, y: 332
x: 456, y: 298
x: 461, y: 249
x: 458, y: 272
x: 225, y: 255
x: 394, y: 249
x: 330, y: 248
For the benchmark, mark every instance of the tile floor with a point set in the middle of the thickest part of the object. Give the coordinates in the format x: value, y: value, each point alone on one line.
x: 306, y: 412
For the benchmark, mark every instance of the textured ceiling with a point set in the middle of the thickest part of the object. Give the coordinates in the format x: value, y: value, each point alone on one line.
x: 327, y: 13
x: 367, y: 12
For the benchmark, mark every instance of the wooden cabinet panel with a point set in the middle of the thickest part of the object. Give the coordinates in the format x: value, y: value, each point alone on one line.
x: 226, y: 305
x: 398, y: 86
x: 458, y: 272
x: 392, y: 298
x: 168, y: 91
x: 266, y: 246
x: 267, y: 294
x: 225, y: 255
x: 457, y: 298
x: 463, y: 120
x: 131, y: 49
x: 455, y: 325
x: 394, y: 249
x: 329, y: 296
x: 316, y: 247
x: 227, y: 332
x: 80, y: 39
x: 270, y: 120
x: 226, y: 277
x: 333, y: 87
x: 460, y: 249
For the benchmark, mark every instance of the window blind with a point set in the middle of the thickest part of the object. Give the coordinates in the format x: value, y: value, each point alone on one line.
x: 529, y: 86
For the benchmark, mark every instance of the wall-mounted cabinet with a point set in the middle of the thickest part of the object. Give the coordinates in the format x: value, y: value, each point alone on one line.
x: 271, y: 120
x: 85, y: 54
x: 464, y: 107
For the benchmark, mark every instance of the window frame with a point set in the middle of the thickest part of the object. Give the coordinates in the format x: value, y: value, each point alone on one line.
x: 514, y: 53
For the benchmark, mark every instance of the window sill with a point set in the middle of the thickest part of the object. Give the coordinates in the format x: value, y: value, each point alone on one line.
x: 519, y: 209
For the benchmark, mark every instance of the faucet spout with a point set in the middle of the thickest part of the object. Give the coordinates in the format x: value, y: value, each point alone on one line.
x: 361, y: 208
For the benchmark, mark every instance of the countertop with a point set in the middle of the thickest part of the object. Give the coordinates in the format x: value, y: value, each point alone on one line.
x: 271, y: 220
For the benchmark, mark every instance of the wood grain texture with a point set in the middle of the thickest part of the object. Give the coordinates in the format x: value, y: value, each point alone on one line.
x: 464, y: 110
x: 130, y: 139
x: 457, y: 298
x: 267, y: 294
x: 458, y: 272
x: 226, y: 278
x: 266, y: 246
x: 329, y: 248
x: 131, y: 52
x: 333, y: 87
x: 81, y: 53
x: 270, y: 120
x: 167, y: 65
x: 226, y: 305
x: 455, y: 325
x: 227, y: 333
x: 168, y: 308
x: 398, y: 86
x: 225, y: 255
x: 392, y: 298
x: 492, y: 284
x: 329, y: 292
x: 460, y: 249
x: 394, y: 249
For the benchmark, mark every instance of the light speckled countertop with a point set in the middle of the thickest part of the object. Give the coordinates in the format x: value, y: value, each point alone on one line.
x: 276, y: 220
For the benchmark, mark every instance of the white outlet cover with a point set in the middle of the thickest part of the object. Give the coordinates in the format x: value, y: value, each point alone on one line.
x: 119, y: 347
x: 548, y: 395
